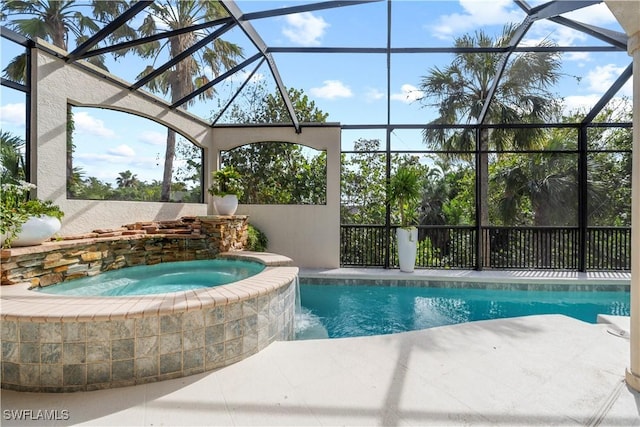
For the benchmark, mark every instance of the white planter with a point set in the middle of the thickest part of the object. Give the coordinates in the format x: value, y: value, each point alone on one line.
x: 225, y: 205
x: 407, y: 248
x: 35, y: 231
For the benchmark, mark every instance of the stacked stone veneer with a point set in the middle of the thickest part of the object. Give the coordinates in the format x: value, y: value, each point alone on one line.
x: 71, y: 257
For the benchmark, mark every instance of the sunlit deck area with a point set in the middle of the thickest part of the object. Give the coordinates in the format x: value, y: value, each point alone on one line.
x: 488, y: 144
x: 539, y: 370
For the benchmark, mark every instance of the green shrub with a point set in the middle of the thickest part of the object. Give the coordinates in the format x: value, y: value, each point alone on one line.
x: 257, y: 241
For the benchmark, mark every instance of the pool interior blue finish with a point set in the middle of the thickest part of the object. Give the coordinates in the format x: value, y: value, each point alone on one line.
x: 337, y: 311
x: 158, y: 278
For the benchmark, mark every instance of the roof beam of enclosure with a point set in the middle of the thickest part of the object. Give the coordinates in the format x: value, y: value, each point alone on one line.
x: 614, y: 38
x: 235, y: 13
x: 544, y: 11
x: 380, y: 50
x: 9, y: 34
x: 215, y: 81
x: 523, y: 5
x: 556, y: 8
x: 155, y: 37
x: 609, y: 94
x: 108, y: 29
x: 13, y: 85
x: 303, y: 8
x: 184, y: 54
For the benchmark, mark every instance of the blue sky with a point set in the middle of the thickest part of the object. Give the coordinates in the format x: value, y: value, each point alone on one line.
x: 350, y: 87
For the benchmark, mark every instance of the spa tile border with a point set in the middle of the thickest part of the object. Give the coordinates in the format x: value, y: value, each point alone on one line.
x: 61, y: 344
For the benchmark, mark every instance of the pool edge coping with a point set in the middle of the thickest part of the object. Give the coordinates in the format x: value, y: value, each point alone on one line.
x: 472, y: 276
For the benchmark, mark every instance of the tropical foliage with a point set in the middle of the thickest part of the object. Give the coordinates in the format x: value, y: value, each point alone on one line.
x: 257, y: 240
x: 58, y: 22
x: 404, y: 192
x: 226, y: 181
x: 275, y: 172
x: 190, y: 73
x: 460, y: 90
x: 13, y: 168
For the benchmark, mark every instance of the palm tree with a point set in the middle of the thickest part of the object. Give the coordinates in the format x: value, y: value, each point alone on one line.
x: 55, y: 21
x: 460, y: 90
x: 189, y: 74
x: 127, y: 179
x: 11, y: 158
x: 538, y: 188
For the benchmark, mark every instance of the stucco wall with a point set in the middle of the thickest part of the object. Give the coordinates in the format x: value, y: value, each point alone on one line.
x: 59, y: 84
x: 308, y: 234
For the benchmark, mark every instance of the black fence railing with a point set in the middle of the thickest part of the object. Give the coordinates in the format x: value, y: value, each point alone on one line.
x: 455, y: 247
x: 609, y: 248
x: 533, y: 247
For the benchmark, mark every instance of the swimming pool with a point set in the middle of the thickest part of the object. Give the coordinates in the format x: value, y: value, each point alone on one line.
x: 159, y: 278
x: 337, y: 311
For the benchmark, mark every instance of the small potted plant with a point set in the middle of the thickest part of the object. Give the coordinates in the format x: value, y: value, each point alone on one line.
x: 226, y: 189
x: 25, y: 222
x: 405, y: 192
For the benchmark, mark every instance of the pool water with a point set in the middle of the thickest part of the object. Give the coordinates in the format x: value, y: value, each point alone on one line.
x: 158, y: 278
x: 337, y: 311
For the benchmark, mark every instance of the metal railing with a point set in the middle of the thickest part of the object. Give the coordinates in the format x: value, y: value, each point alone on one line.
x: 536, y: 248
x: 608, y: 248
x: 456, y: 247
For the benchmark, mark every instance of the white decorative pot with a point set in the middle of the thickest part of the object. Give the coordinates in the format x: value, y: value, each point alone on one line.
x: 407, y: 248
x: 36, y: 230
x: 225, y: 205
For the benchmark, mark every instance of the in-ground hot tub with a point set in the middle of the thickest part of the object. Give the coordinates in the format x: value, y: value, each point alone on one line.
x: 53, y: 343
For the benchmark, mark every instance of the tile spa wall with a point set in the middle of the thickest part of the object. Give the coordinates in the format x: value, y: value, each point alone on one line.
x: 61, y: 344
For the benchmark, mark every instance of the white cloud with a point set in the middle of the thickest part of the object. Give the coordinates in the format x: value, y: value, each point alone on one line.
x: 122, y: 150
x: 477, y: 14
x: 598, y: 14
x: 408, y: 94
x: 578, y: 57
x: 304, y: 28
x: 373, y: 94
x: 85, y: 124
x: 100, y: 159
x: 106, y: 167
x: 123, y: 156
x: 597, y: 81
x: 151, y: 137
x: 332, y: 89
x: 602, y: 77
x: 13, y: 114
x: 580, y: 104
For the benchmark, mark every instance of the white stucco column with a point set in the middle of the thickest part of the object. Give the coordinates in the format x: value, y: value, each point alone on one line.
x: 633, y: 372
x: 628, y: 14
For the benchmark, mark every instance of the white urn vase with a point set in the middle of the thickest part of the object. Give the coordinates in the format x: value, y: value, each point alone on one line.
x: 225, y: 205
x: 35, y: 230
x: 407, y: 248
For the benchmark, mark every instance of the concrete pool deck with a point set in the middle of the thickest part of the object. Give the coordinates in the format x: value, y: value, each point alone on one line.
x: 494, y: 276
x: 536, y: 370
